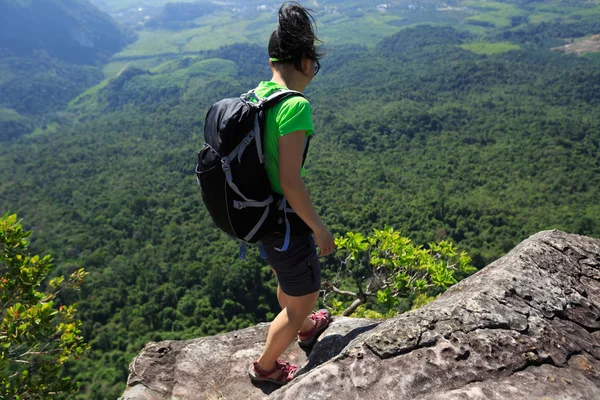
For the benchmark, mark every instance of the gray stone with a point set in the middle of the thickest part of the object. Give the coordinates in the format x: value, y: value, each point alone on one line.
x: 525, y: 327
x: 216, y: 367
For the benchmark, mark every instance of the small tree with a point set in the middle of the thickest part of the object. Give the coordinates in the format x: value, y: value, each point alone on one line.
x: 36, y: 338
x: 387, y: 268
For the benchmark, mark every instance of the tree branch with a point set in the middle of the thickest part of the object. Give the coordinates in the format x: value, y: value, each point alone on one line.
x: 361, y: 297
x: 343, y: 292
x: 355, y: 304
x: 34, y: 353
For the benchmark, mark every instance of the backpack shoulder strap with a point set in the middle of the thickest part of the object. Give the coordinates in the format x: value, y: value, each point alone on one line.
x: 269, y: 101
x: 278, y: 96
x: 251, y: 97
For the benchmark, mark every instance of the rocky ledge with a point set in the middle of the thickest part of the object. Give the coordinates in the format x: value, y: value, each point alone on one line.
x: 525, y: 327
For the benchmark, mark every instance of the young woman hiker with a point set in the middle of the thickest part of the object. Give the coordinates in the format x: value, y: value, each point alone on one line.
x: 294, y: 61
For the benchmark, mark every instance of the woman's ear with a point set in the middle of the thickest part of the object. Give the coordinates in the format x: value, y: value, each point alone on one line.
x: 306, y: 65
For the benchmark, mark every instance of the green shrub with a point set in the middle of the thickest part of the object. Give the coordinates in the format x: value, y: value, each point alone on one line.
x: 392, y: 273
x: 36, y: 336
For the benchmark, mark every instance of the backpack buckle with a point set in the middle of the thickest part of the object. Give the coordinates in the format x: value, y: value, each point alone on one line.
x: 225, y: 164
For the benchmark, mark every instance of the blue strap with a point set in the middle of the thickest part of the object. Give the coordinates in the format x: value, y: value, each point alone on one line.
x: 263, y: 252
x: 243, y: 251
x: 286, y: 241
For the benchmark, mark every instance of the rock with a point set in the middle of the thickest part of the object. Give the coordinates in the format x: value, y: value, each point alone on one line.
x: 216, y: 367
x: 525, y: 327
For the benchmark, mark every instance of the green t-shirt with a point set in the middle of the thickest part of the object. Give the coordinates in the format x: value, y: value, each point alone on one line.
x: 290, y: 115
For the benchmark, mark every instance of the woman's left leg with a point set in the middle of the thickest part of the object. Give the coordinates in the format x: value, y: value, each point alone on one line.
x: 299, y: 279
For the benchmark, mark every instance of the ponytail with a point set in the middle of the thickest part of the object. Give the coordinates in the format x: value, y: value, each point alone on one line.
x: 295, y: 35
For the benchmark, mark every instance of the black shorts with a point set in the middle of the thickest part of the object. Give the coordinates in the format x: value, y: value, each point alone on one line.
x: 298, y: 268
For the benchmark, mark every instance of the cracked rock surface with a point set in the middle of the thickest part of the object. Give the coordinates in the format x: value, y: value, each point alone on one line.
x: 525, y: 327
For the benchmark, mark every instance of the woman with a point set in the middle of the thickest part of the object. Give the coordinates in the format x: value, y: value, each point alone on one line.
x: 294, y: 61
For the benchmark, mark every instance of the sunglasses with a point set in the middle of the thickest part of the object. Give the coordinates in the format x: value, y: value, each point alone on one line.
x: 317, y: 64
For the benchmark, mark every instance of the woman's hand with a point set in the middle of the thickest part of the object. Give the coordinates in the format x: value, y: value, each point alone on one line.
x: 325, y: 241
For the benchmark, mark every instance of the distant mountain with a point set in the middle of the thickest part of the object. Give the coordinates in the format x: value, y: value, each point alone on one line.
x: 181, y: 15
x: 101, y: 4
x: 13, y: 124
x: 37, y: 84
x: 74, y: 31
x: 50, y: 51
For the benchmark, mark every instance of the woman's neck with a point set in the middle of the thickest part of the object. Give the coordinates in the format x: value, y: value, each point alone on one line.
x: 290, y: 81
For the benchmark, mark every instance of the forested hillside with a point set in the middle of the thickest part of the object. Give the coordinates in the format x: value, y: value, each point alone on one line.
x: 480, y: 136
x: 50, y: 52
x: 70, y: 30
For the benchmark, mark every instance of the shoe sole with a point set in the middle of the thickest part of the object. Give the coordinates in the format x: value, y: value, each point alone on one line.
x: 255, y: 378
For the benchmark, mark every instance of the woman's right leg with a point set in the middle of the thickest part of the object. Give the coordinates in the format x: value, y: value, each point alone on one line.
x: 284, y: 328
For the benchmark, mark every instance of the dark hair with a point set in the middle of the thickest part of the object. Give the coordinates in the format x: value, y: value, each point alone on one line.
x: 295, y: 35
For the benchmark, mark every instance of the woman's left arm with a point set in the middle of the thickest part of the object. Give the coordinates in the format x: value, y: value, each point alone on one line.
x: 291, y: 149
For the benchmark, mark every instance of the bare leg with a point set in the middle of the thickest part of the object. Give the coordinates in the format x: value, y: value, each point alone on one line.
x: 282, y: 299
x: 285, y: 327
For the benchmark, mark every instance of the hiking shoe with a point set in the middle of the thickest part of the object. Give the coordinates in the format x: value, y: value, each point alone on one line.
x: 321, y: 318
x: 280, y: 375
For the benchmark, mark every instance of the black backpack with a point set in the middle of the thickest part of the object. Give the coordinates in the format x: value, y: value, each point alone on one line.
x: 231, y: 172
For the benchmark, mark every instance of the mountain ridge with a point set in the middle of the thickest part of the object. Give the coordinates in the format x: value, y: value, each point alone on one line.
x: 71, y: 30
x: 50, y: 51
